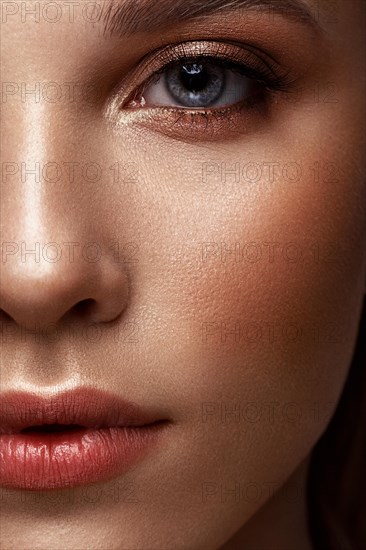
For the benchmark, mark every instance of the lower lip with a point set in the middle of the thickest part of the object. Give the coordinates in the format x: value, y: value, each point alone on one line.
x: 44, y: 461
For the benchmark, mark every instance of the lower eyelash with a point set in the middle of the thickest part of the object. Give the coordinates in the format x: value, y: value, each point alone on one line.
x: 202, y: 125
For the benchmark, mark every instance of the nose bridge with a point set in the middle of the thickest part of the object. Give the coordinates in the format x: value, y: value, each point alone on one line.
x: 37, y: 198
x: 44, y: 119
x: 22, y: 175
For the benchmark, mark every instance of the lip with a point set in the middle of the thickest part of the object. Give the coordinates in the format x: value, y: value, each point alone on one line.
x: 110, y: 436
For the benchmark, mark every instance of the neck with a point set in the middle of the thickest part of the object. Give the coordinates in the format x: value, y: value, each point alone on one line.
x: 281, y: 524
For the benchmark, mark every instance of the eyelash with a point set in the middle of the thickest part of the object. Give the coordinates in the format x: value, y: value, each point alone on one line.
x: 250, y: 62
x: 265, y: 77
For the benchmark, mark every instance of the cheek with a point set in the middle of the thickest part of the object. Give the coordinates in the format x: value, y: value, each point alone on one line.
x: 263, y: 300
x: 268, y: 279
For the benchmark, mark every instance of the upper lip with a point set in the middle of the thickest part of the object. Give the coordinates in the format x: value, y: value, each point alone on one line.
x: 83, y: 406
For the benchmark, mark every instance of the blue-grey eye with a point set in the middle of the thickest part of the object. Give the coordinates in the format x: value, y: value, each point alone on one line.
x: 198, y: 84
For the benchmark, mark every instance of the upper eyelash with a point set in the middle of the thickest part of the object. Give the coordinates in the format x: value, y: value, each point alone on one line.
x: 179, y: 54
x: 265, y: 77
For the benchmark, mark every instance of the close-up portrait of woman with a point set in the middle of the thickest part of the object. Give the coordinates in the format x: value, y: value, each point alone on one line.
x: 183, y: 275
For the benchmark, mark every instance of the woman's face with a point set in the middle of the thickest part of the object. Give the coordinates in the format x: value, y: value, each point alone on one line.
x: 193, y: 243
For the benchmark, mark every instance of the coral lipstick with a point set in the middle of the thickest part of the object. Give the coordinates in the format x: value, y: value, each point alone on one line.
x: 74, y: 438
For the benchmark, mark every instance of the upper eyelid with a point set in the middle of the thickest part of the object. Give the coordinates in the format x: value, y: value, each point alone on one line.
x: 220, y: 45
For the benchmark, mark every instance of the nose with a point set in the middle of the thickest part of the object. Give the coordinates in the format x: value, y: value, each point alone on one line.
x: 45, y: 285
x: 58, y: 259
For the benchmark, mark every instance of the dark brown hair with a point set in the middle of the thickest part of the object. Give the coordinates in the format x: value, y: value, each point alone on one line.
x: 336, y: 489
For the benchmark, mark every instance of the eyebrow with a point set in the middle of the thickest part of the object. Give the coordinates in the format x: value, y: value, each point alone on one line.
x: 125, y: 17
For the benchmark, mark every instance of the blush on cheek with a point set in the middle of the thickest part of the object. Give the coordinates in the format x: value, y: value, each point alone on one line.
x: 280, y: 313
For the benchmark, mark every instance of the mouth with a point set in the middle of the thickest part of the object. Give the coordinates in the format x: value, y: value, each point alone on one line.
x: 75, y: 438
x: 53, y: 428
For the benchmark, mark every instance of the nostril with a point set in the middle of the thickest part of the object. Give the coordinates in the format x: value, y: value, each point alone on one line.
x: 5, y: 317
x: 84, y: 307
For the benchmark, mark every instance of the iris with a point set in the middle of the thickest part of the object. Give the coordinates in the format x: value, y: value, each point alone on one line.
x: 196, y: 84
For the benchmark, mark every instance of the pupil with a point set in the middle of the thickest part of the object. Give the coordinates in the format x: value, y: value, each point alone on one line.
x: 194, y: 77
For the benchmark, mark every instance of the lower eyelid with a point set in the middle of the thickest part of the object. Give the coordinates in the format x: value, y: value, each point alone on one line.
x: 192, y: 126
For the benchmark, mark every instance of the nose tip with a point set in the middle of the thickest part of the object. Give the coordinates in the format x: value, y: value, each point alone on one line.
x: 44, y: 293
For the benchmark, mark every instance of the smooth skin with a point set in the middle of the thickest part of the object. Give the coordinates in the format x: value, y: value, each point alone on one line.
x: 246, y: 353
